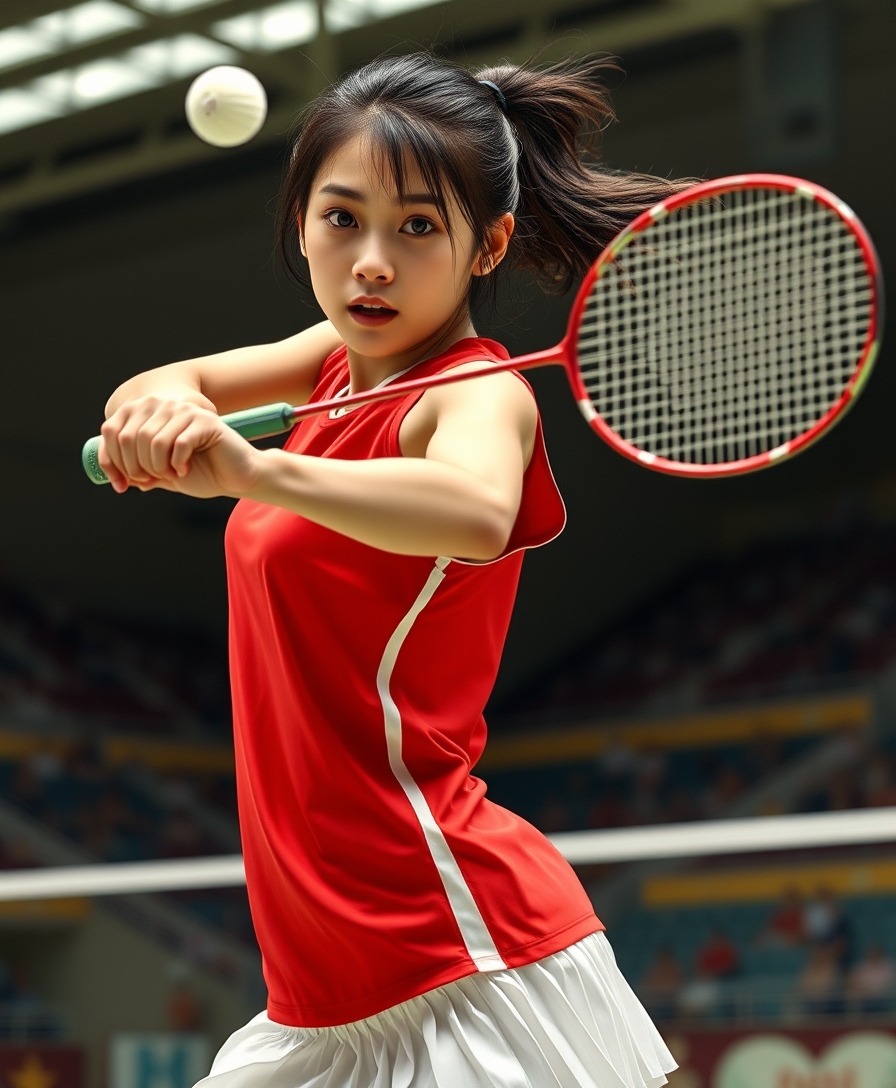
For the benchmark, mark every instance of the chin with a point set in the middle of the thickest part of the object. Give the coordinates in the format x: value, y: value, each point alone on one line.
x: 372, y: 347
x: 377, y: 343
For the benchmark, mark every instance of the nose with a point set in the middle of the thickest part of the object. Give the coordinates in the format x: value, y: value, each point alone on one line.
x: 372, y: 264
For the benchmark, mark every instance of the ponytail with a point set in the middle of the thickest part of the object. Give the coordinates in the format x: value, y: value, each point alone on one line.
x: 569, y: 209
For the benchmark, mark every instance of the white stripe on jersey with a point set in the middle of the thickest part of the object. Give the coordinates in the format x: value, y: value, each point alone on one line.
x: 472, y: 925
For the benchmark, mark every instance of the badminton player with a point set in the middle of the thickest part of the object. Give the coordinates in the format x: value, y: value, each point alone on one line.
x: 414, y: 935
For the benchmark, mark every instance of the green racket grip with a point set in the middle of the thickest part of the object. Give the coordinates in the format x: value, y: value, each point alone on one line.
x: 262, y: 422
x: 252, y: 423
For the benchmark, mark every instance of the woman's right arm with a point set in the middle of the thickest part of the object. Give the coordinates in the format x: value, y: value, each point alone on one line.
x: 242, y: 378
x: 147, y: 415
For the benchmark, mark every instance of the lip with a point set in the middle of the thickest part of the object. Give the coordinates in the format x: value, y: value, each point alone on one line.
x: 367, y: 319
x: 371, y: 300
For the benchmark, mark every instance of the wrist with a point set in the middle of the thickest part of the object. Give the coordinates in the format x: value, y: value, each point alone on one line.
x: 183, y: 394
x: 266, y: 473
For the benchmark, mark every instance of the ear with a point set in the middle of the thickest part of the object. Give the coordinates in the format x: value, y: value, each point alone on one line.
x: 495, y: 248
x: 301, y: 229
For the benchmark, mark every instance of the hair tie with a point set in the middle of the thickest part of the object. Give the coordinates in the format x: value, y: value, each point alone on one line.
x: 502, y: 101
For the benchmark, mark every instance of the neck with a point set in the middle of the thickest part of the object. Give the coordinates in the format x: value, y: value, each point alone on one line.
x: 367, y: 371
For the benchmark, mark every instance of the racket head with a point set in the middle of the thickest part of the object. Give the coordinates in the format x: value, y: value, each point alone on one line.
x: 728, y: 327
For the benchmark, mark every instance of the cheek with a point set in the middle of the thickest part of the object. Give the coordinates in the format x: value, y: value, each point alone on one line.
x: 444, y: 269
x: 326, y: 282
x: 324, y: 260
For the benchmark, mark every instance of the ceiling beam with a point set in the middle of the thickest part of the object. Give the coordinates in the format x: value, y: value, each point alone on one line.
x: 145, y: 134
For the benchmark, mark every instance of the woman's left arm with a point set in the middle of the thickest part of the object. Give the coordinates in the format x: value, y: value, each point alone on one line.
x: 458, y: 496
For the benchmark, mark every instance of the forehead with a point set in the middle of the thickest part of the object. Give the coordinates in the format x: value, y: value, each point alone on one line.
x: 360, y: 164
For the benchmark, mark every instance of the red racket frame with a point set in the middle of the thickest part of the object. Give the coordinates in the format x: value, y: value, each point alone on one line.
x: 795, y: 445
x: 565, y: 352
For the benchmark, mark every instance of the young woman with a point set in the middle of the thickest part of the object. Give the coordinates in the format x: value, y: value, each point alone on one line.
x: 413, y: 933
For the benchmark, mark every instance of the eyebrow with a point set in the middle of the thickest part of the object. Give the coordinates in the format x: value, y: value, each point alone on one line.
x: 352, y: 194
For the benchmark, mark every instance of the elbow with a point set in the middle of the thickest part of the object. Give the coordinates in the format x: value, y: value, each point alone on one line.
x: 490, y: 535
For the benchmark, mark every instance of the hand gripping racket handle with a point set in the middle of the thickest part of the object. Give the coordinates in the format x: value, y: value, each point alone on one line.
x: 252, y: 423
x: 271, y: 419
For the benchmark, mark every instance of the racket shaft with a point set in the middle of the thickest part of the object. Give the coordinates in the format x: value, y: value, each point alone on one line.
x: 271, y: 419
x: 414, y: 385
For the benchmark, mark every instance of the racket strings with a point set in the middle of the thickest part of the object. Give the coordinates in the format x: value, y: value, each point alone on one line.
x: 727, y: 328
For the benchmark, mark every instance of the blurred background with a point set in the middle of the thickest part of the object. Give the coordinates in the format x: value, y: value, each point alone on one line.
x: 686, y: 650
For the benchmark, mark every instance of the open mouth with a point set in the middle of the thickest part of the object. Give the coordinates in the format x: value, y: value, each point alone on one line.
x: 371, y: 313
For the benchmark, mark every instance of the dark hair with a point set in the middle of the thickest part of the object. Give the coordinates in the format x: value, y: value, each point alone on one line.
x: 524, y: 155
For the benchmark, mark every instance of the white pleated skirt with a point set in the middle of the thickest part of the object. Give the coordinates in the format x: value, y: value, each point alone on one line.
x: 567, y: 1021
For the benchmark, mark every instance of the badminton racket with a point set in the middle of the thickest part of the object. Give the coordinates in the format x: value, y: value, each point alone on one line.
x: 724, y: 330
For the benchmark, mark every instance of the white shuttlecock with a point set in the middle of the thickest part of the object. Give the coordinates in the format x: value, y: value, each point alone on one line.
x: 226, y: 106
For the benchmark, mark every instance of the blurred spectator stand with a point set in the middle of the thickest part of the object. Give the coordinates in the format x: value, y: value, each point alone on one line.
x: 871, y: 986
x: 786, y: 926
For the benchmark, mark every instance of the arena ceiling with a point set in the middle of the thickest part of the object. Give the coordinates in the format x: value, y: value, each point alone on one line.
x: 91, y: 93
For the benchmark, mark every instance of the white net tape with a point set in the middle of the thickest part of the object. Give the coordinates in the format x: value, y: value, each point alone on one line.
x: 622, y: 844
x: 728, y: 328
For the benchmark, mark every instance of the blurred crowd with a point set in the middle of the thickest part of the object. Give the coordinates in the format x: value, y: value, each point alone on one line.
x: 120, y: 813
x: 59, y: 663
x: 789, y: 615
x: 110, y: 811
x: 105, y: 808
x: 784, y: 616
x: 831, y: 977
x: 625, y: 787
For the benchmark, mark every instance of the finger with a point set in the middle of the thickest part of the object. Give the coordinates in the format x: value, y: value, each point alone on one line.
x: 109, y: 432
x: 125, y: 425
x: 127, y: 456
x: 160, y: 448
x: 149, y: 458
x: 119, y: 431
x: 130, y: 457
x: 116, y: 479
x: 119, y: 447
x: 196, y: 436
x: 163, y: 445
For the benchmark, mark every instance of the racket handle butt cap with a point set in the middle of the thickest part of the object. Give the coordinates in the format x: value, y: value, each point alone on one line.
x: 90, y: 461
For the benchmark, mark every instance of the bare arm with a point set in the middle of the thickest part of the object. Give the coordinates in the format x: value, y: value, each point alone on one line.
x: 242, y: 378
x: 459, y: 499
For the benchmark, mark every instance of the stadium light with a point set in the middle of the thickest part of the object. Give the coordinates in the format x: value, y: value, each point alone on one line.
x: 21, y: 107
x: 173, y: 7
x: 278, y: 27
x: 63, y: 30
x: 345, y: 14
x: 139, y: 69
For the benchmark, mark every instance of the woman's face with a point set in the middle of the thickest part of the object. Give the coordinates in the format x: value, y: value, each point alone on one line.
x: 383, y: 271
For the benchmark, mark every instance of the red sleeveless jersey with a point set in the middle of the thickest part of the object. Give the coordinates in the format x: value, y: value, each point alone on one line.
x: 376, y: 866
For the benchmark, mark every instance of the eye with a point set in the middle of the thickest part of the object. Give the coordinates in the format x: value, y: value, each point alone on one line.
x: 418, y: 225
x: 339, y: 217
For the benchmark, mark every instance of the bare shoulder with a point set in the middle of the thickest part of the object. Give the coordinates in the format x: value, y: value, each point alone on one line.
x: 492, y: 402
x: 502, y: 393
